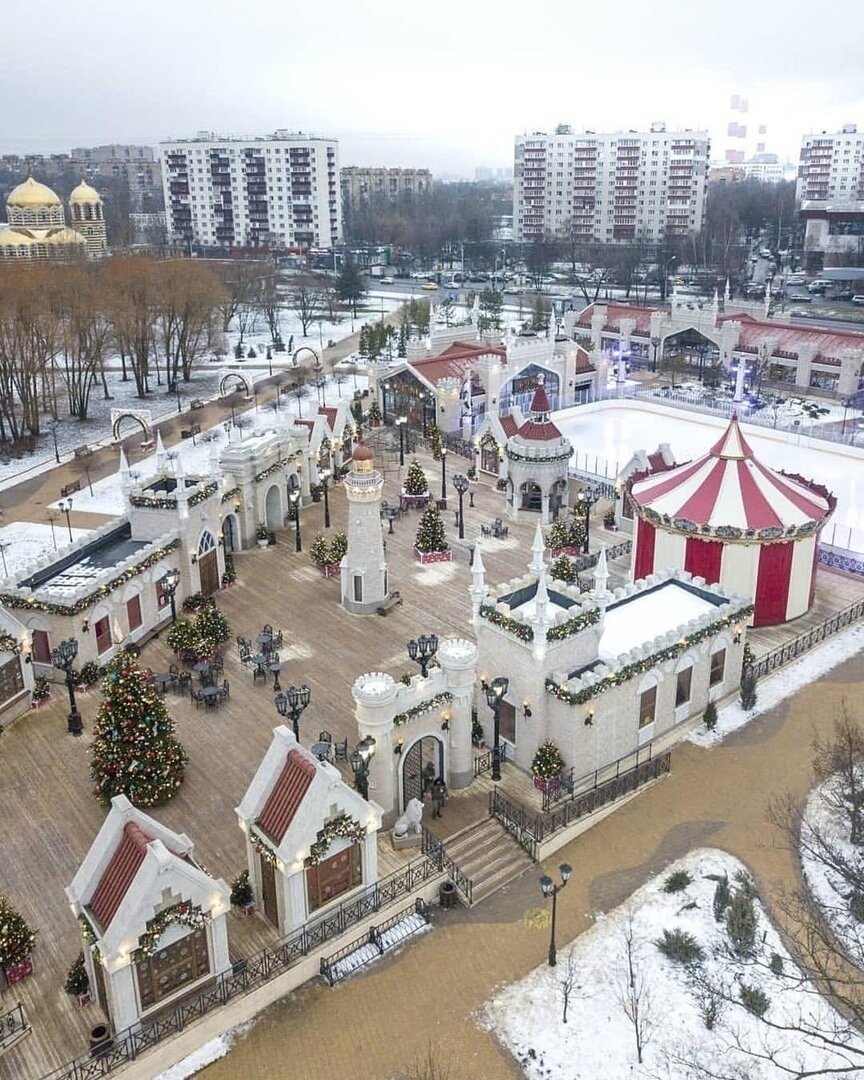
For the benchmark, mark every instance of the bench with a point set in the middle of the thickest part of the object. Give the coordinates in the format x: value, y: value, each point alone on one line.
x: 82, y: 452
x: 196, y: 403
x: 392, y: 601
x: 187, y: 433
x: 66, y: 491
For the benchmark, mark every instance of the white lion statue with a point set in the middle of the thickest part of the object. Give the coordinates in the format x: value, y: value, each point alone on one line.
x: 409, y: 823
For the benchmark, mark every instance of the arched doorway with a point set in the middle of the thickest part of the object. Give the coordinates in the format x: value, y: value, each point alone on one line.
x: 699, y: 351
x: 273, y: 508
x: 208, y: 563
x: 520, y: 390
x: 229, y: 533
x: 422, y: 763
x: 530, y: 496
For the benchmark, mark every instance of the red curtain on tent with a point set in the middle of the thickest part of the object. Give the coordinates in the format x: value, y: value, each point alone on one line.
x: 702, y: 558
x: 772, y: 583
x: 644, y: 550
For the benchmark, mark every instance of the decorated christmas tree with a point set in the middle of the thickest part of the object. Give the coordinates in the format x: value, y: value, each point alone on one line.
x: 134, y: 750
x: 430, y: 531
x: 562, y: 570
x: 374, y: 414
x: 435, y: 442
x: 338, y: 547
x: 547, y: 763
x: 211, y: 624
x: 559, y: 535
x: 319, y: 552
x: 415, y: 480
x: 16, y: 937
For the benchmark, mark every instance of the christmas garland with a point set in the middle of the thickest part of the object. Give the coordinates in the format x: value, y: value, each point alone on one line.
x: 32, y: 604
x: 277, y: 465
x: 185, y: 913
x: 263, y: 849
x: 639, y: 667
x: 513, y: 626
x: 230, y: 494
x: 574, y: 625
x: 203, y: 493
x: 8, y: 643
x: 154, y: 502
x: 516, y: 456
x: 340, y: 828
x: 87, y: 931
x: 423, y: 707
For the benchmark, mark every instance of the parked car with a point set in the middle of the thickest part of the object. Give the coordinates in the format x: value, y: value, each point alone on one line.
x: 765, y: 253
x: 800, y: 298
x: 844, y: 294
x: 819, y: 286
x: 430, y: 285
x: 859, y: 299
x: 386, y: 281
x: 796, y: 279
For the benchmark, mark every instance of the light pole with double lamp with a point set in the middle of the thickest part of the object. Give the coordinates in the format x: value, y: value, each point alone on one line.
x: 292, y: 703
x: 421, y: 650
x: 324, y: 477
x: 169, y: 587
x: 495, y: 692
x: 655, y: 345
x: 460, y: 482
x: 401, y: 421
x: 63, y: 658
x: 65, y: 507
x: 585, y: 499
x: 361, y: 755
x: 444, y: 476
x: 295, y: 506
x: 549, y: 888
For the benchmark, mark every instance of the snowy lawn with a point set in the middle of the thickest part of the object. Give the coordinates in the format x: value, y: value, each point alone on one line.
x: 676, y: 999
x: 23, y: 542
x: 784, y: 683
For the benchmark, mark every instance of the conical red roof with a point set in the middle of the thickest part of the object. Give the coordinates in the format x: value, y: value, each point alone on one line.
x: 728, y: 487
x: 538, y: 427
x: 540, y: 404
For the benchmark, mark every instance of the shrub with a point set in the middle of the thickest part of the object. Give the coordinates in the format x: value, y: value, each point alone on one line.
x: 563, y: 570
x: 721, y: 897
x: 709, y: 717
x: 746, y: 884
x: 89, y: 673
x: 680, y: 947
x: 710, y: 1004
x: 41, y: 690
x: 547, y: 763
x: 262, y: 532
x: 476, y: 727
x: 194, y: 602
x: 230, y: 575
x: 753, y: 999
x: 77, y: 981
x: 741, y: 923
x: 676, y: 881
x: 776, y: 964
x: 241, y: 890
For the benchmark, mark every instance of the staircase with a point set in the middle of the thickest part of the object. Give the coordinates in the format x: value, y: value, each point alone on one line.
x: 488, y: 855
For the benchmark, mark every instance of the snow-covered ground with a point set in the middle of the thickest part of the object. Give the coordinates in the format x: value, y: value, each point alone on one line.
x: 401, y: 934
x: 107, y: 497
x: 607, y: 433
x: 205, y: 1055
x: 598, y: 1039
x: 23, y: 542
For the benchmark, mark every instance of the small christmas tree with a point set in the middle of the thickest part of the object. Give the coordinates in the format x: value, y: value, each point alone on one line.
x: 748, y: 689
x: 435, y: 442
x: 338, y: 547
x: 374, y: 414
x: 547, y: 763
x: 558, y: 535
x: 563, y: 570
x: 320, y: 550
x: 430, y: 532
x: 575, y: 532
x: 16, y: 937
x: 211, y: 624
x: 415, y: 480
x: 709, y: 717
x: 134, y: 750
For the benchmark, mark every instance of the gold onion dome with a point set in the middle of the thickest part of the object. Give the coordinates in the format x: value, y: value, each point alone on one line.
x: 15, y: 237
x: 64, y: 236
x: 85, y: 194
x: 32, y: 195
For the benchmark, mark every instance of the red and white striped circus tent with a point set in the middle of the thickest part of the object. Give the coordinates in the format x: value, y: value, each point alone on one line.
x: 727, y: 517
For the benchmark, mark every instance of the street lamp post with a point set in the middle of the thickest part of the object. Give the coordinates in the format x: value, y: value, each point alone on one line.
x: 361, y: 755
x: 65, y: 506
x: 549, y: 888
x: 655, y: 345
x: 295, y: 503
x: 495, y: 692
x: 63, y: 657
x: 584, y: 501
x: 460, y: 482
x: 401, y: 421
x: 324, y: 477
x: 422, y: 649
x: 54, y: 437
x: 169, y: 587
x: 444, y: 474
x: 292, y: 703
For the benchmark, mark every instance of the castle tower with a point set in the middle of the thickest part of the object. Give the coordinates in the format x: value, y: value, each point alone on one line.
x: 364, y: 566
x: 537, y: 457
x: 85, y: 208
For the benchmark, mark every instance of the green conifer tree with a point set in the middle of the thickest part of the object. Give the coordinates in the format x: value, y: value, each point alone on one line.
x: 430, y: 531
x: 415, y: 480
x: 562, y: 570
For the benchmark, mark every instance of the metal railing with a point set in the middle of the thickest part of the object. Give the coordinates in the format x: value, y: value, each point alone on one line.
x: 483, y: 762
x: 602, y: 485
x: 13, y: 1026
x: 789, y: 650
x: 530, y: 828
x: 434, y: 849
x: 248, y: 974
x: 588, y: 562
x: 568, y: 786
x: 375, y: 937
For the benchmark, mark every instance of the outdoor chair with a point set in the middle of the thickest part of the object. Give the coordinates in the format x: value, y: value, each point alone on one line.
x: 218, y: 663
x: 258, y: 672
x: 277, y: 639
x: 183, y: 682
x: 325, y: 736
x: 173, y: 670
x: 267, y: 629
x: 225, y: 689
x: 340, y: 750
x: 196, y: 696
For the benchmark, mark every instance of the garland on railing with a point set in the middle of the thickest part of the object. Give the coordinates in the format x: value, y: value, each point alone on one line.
x: 203, y: 493
x: 340, y: 828
x: 185, y: 913
x: 573, y: 626
x: 278, y: 465
x: 230, y: 494
x: 154, y: 502
x: 423, y: 707
x: 516, y: 456
x: 32, y: 604
x: 639, y: 667
x: 513, y: 626
x: 263, y: 849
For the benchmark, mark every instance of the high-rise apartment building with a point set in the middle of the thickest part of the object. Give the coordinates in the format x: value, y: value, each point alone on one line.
x: 613, y: 188
x: 279, y: 190
x: 361, y: 184
x: 830, y: 190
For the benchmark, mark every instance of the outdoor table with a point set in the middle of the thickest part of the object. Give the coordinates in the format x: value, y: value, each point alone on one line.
x: 275, y: 667
x: 260, y: 660
x: 202, y: 666
x: 163, y: 680
x: 212, y: 694
x: 322, y: 750
x: 266, y: 642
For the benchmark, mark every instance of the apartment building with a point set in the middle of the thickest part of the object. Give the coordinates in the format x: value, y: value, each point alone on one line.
x: 830, y: 191
x: 360, y: 184
x: 275, y: 191
x: 609, y: 188
x: 133, y: 167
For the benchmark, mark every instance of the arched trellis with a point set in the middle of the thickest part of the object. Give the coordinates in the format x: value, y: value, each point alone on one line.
x: 241, y: 379
x: 118, y: 418
x: 305, y: 348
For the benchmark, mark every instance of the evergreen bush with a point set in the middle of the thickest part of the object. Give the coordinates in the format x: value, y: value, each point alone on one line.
x: 721, y: 897
x: 709, y: 717
x: 680, y: 947
x: 776, y: 964
x: 753, y: 999
x: 77, y: 981
x: 741, y: 923
x: 415, y: 480
x: 241, y: 890
x: 748, y: 689
x: 676, y: 881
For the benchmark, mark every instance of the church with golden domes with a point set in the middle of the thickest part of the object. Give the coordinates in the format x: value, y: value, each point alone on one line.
x: 37, y: 229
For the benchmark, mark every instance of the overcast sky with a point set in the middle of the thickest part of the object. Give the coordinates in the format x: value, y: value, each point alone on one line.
x: 444, y: 84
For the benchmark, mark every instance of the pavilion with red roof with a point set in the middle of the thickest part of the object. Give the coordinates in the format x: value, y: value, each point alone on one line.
x: 536, y: 458
x: 728, y: 518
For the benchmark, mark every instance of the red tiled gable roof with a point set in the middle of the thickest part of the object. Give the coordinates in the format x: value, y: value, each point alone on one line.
x: 829, y: 344
x: 583, y: 360
x: 288, y: 793
x: 330, y: 416
x: 508, y: 424
x: 119, y: 873
x: 534, y: 432
x: 616, y: 312
x: 308, y: 424
x: 454, y: 362
x: 657, y: 464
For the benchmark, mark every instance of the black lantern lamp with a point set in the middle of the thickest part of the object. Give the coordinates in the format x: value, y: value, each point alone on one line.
x: 585, y: 499
x: 422, y: 649
x: 169, y: 586
x: 401, y: 421
x: 549, y: 888
x: 295, y: 506
x: 495, y: 692
x: 324, y: 477
x: 361, y: 755
x: 460, y: 482
x: 63, y: 658
x: 292, y: 703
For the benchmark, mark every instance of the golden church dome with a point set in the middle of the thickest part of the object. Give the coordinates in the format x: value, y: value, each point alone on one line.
x: 32, y: 195
x: 15, y: 237
x: 64, y: 236
x: 85, y: 194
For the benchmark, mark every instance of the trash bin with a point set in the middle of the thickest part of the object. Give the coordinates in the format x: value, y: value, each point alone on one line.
x: 100, y: 1041
x: 447, y: 894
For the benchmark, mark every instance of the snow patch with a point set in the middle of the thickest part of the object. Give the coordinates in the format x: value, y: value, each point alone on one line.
x: 23, y: 542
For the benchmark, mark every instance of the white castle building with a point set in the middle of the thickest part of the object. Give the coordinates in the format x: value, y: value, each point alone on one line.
x: 364, y: 565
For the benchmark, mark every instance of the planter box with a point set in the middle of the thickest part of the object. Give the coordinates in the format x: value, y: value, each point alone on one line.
x: 414, y: 500
x: 569, y: 550
x: 84, y: 999
x: 331, y: 571
x: 18, y: 972
x: 262, y: 543
x: 545, y: 783
x: 433, y: 556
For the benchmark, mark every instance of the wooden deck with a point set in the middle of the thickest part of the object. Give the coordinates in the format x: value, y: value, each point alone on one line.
x: 48, y: 816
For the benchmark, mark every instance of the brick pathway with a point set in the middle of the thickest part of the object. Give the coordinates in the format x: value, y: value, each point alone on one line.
x: 380, y: 1022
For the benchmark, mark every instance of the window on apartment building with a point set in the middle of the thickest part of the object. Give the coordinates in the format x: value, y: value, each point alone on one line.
x: 647, y: 706
x: 718, y: 667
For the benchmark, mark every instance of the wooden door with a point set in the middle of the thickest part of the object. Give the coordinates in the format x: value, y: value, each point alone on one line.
x: 41, y: 647
x: 208, y: 568
x: 103, y: 635
x: 101, y: 998
x: 332, y: 877
x: 268, y: 890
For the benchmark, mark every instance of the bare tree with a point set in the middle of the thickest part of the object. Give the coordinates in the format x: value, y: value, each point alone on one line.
x: 270, y: 302
x: 84, y: 333
x: 634, y: 992
x: 131, y: 297
x: 840, y: 760
x: 306, y: 300
x: 429, y: 1066
x: 300, y: 388
x: 567, y: 980
x: 240, y: 281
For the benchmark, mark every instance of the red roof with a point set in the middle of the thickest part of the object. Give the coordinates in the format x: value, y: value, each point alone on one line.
x: 455, y: 362
x: 330, y: 415
x: 508, y: 424
x: 288, y: 793
x: 362, y: 453
x: 616, y: 312
x: 583, y: 360
x: 540, y: 404
x: 308, y: 424
x: 119, y: 873
x: 788, y: 338
x: 539, y: 432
